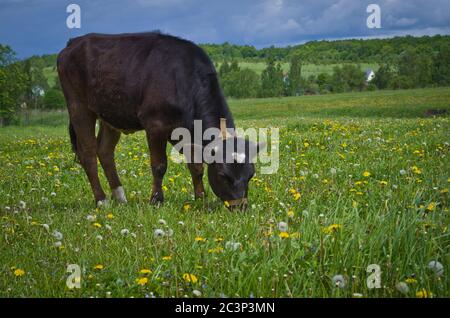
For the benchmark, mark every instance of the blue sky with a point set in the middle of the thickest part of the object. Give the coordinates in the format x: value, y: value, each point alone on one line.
x: 39, y: 26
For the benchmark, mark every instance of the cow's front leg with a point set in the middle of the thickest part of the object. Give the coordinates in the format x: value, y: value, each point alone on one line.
x: 157, y: 143
x: 196, y: 170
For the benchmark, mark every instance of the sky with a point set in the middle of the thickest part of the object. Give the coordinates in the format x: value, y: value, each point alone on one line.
x: 35, y: 27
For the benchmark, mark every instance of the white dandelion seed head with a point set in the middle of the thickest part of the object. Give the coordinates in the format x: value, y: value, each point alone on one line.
x: 402, y: 172
x: 57, y: 235
x: 339, y: 281
x: 402, y: 287
x: 282, y: 226
x: 197, y: 293
x: 90, y: 218
x: 108, y: 227
x: 99, y: 237
x: 133, y: 235
x: 57, y: 244
x: 46, y: 226
x: 53, y: 194
x: 125, y: 232
x: 22, y: 204
x: 162, y: 222
x: 333, y: 171
x: 436, y: 267
x: 169, y: 232
x: 181, y: 223
x: 158, y: 233
x: 315, y: 176
x: 233, y: 246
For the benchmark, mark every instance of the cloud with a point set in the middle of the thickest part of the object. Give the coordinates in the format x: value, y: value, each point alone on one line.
x: 37, y: 27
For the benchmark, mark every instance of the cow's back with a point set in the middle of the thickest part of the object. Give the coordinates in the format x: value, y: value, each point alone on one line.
x: 124, y: 77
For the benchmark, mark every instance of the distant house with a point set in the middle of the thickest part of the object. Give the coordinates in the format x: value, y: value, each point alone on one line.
x: 370, y: 75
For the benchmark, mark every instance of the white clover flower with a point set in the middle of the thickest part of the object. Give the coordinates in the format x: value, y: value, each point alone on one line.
x: 99, y: 237
x: 162, y: 222
x: 124, y: 232
x: 282, y: 226
x: 436, y: 267
x: 339, y: 281
x: 90, y: 218
x: 402, y: 287
x: 46, y: 226
x: 22, y: 204
x: 159, y: 233
x: 57, y: 235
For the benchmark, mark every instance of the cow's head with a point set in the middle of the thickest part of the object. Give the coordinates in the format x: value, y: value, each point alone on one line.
x: 229, y: 179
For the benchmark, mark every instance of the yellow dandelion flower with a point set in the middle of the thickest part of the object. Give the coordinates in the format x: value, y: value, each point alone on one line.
x: 332, y: 228
x: 165, y: 188
x: 366, y: 174
x: 97, y: 225
x: 226, y: 203
x: 145, y: 271
x: 142, y: 281
x: 190, y: 278
x: 18, y: 272
x: 290, y: 213
x: 410, y: 280
x: 200, y: 239
x: 431, y: 206
x: 383, y: 182
x: 283, y: 235
x: 99, y: 267
x: 423, y: 293
x: 186, y: 207
x: 110, y: 216
x: 218, y: 239
x: 297, y: 196
x: 166, y: 258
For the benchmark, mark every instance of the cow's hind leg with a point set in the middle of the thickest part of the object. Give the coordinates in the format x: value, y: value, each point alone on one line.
x: 83, y: 124
x: 157, y: 142
x: 107, y: 140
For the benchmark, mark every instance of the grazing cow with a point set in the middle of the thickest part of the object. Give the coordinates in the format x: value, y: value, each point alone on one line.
x: 151, y: 82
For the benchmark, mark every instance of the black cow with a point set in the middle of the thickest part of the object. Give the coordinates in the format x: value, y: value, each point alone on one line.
x: 146, y: 81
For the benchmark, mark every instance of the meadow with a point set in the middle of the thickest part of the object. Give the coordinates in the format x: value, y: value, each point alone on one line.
x: 363, y: 179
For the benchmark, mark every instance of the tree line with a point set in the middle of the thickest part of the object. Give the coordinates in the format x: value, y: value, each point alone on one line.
x: 404, y: 62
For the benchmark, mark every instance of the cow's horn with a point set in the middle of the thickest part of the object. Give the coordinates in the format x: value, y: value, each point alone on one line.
x: 223, y: 128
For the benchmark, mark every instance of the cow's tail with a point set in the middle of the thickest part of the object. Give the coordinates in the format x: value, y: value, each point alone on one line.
x: 73, y: 140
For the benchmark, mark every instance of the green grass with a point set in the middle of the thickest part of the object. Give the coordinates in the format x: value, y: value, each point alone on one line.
x: 397, y: 217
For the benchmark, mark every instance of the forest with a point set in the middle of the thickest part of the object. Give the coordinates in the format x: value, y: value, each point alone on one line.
x: 398, y: 63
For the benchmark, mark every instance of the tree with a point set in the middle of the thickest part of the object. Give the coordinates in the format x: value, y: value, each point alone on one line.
x: 295, y: 75
x: 415, y: 68
x: 53, y: 99
x: 272, y: 80
x: 441, y: 69
x: 12, y: 85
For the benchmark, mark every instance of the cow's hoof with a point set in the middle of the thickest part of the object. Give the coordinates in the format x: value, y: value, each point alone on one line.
x: 200, y: 196
x: 101, y: 203
x: 118, y: 194
x: 157, y: 198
